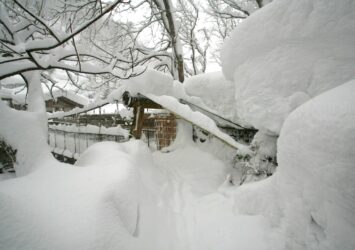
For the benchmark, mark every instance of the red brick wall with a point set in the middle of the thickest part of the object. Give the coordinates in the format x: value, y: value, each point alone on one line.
x: 165, y: 125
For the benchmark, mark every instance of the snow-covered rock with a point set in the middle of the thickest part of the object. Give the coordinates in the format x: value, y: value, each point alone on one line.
x: 287, y: 53
x: 316, y: 176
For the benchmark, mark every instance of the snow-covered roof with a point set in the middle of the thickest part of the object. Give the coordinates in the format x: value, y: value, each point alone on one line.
x: 12, y: 80
x: 210, y: 91
x: 56, y: 93
x: 18, y: 95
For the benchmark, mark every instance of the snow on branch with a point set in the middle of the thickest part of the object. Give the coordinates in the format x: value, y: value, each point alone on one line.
x: 31, y: 40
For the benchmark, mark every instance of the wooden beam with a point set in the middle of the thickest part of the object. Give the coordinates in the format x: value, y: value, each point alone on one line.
x: 139, y: 100
x: 138, y: 118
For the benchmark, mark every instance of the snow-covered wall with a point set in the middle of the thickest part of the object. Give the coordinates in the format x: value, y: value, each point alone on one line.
x: 287, y: 53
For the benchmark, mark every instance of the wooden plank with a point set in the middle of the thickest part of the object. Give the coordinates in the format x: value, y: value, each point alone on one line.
x: 137, y: 125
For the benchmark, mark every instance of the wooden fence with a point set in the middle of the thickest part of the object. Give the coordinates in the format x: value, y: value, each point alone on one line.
x: 69, y: 145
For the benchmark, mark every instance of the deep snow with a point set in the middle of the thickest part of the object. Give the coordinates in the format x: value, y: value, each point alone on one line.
x: 287, y: 53
x: 316, y: 178
x: 123, y: 196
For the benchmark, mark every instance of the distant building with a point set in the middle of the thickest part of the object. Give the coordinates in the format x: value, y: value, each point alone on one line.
x: 58, y: 100
x: 64, y: 100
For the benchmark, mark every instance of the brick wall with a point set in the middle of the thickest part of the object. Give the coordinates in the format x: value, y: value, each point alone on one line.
x: 165, y: 125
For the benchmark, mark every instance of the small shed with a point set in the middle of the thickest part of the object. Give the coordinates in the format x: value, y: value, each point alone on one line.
x: 164, y: 125
x: 159, y: 126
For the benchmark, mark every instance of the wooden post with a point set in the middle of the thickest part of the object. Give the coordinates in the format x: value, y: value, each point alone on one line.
x: 139, y: 103
x: 137, y: 125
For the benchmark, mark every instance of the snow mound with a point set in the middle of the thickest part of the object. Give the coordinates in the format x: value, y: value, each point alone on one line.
x: 24, y: 131
x: 287, y: 53
x: 151, y: 81
x: 216, y: 92
x: 316, y: 175
x: 91, y: 206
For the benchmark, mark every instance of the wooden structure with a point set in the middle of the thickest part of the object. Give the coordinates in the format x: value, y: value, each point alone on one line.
x: 105, y: 120
x: 161, y: 126
x: 239, y: 136
x: 61, y: 103
x: 13, y: 105
x: 158, y: 129
x: 139, y: 104
x: 68, y: 144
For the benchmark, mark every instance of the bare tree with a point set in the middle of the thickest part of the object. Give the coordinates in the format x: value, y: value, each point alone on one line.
x: 42, y: 36
x: 196, y: 40
x: 227, y: 14
x: 177, y: 42
x: 164, y: 11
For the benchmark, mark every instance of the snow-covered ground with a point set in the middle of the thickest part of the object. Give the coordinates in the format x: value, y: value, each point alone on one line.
x: 123, y: 196
x: 298, y: 85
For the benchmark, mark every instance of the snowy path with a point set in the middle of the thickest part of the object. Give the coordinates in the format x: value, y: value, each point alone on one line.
x: 95, y: 205
x: 192, y: 213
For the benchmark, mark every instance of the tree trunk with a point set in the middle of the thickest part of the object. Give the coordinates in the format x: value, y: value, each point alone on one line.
x: 175, y: 42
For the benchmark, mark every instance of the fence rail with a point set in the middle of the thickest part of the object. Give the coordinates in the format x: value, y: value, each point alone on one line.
x: 71, y: 144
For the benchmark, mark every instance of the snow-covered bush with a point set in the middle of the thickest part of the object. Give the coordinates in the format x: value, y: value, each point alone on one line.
x: 7, y: 158
x: 287, y: 53
x: 259, y: 163
x: 283, y: 55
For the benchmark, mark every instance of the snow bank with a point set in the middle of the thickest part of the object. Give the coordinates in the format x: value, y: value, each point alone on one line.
x: 24, y: 131
x: 91, y: 206
x: 287, y: 53
x: 316, y: 175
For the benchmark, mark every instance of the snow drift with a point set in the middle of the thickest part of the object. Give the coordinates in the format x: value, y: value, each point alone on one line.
x: 215, y: 91
x: 316, y: 176
x: 287, y: 53
x: 58, y: 206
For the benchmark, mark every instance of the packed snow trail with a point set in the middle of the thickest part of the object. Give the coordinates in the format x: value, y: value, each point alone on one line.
x: 191, y: 210
x: 197, y: 215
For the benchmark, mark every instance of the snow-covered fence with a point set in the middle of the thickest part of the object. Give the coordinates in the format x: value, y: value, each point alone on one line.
x: 71, y: 140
